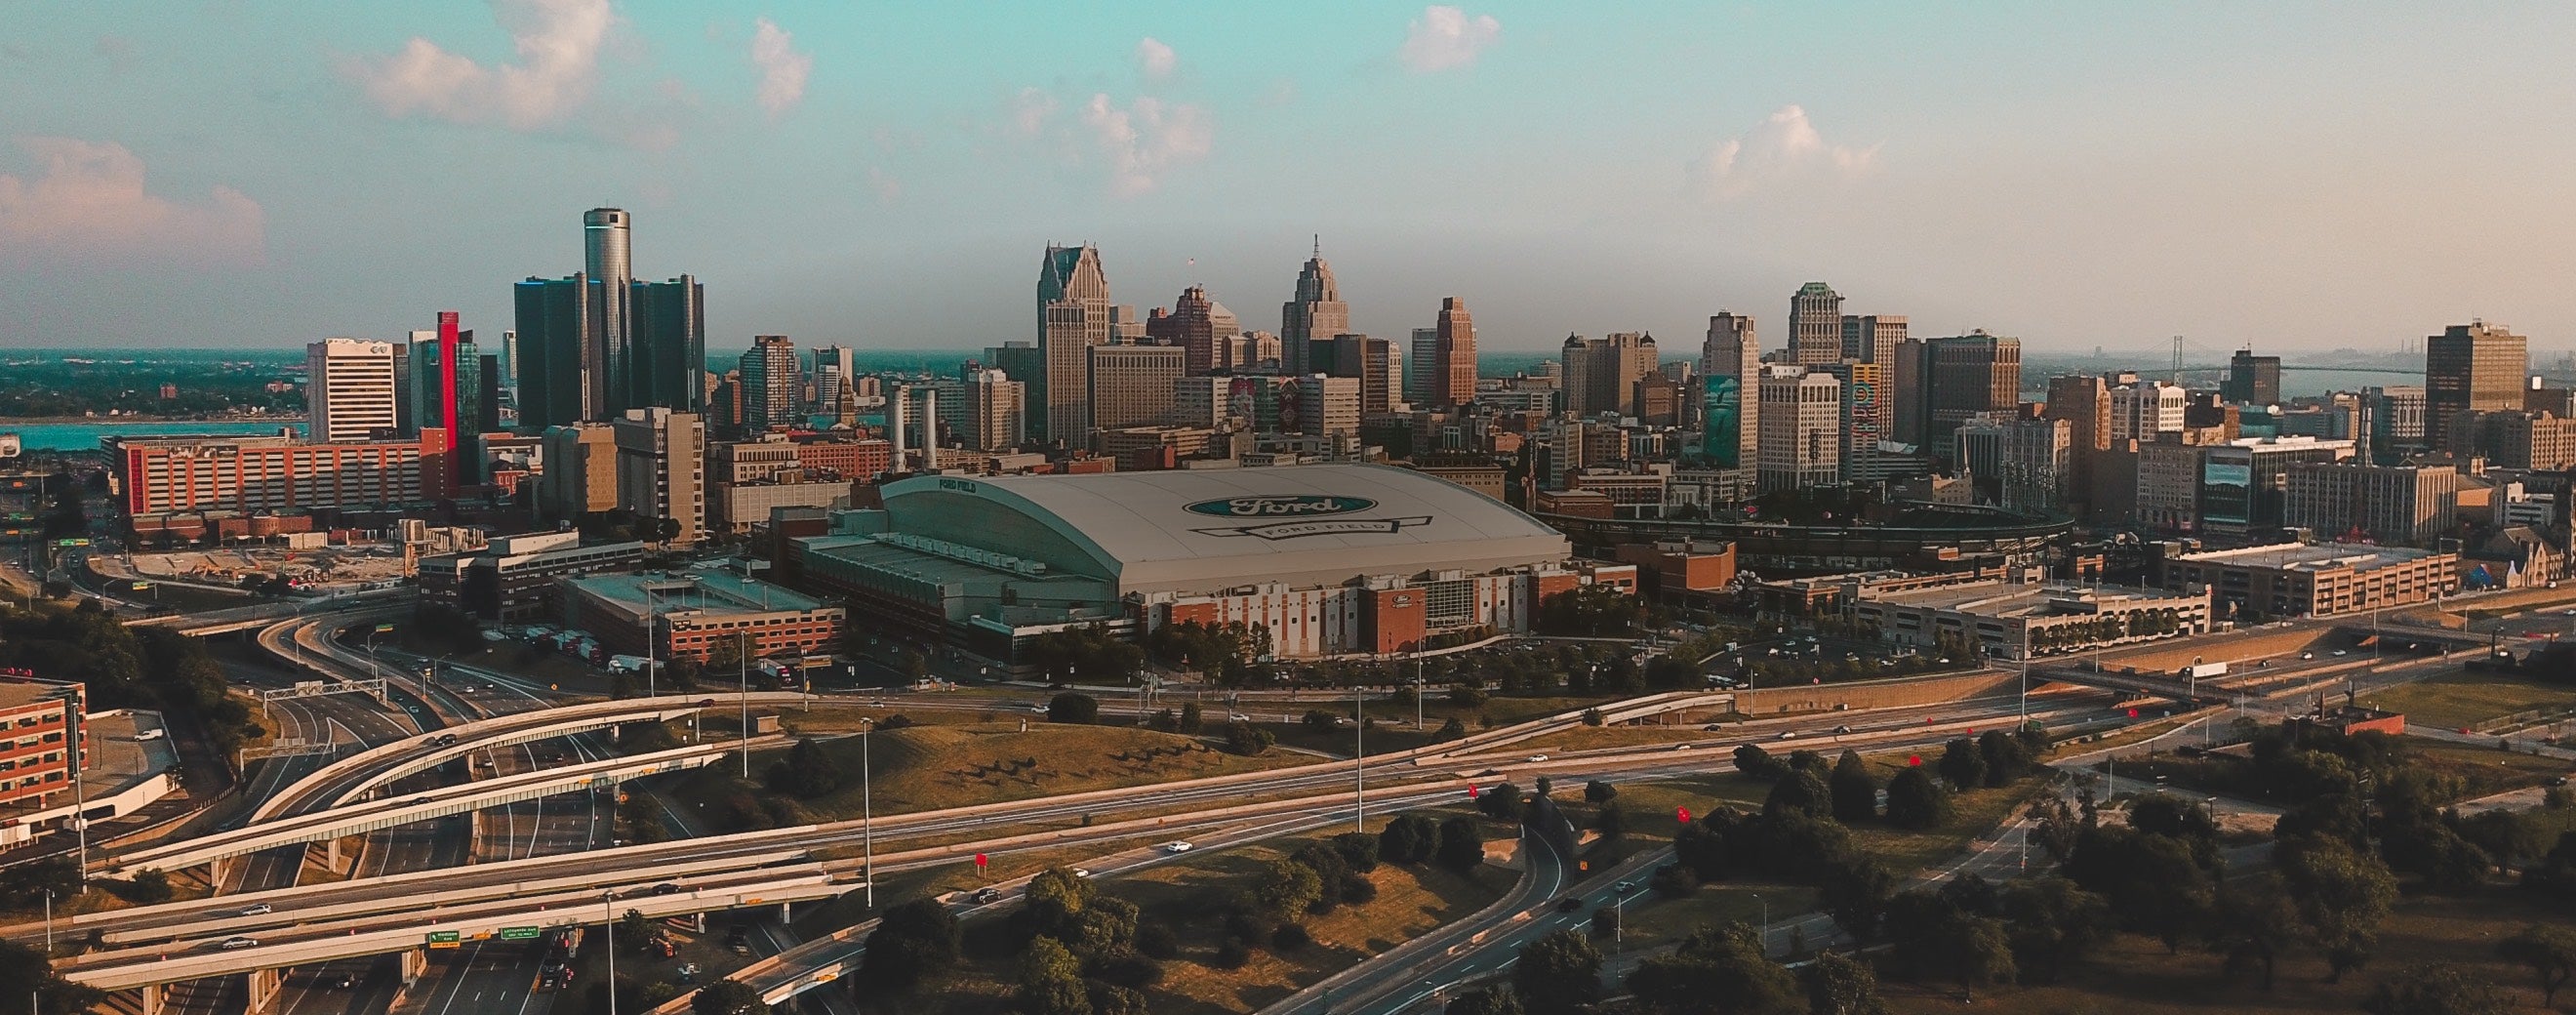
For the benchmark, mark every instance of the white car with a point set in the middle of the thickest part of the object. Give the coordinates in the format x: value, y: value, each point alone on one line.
x: 1788, y: 734
x: 1082, y: 872
x: 1538, y: 757
x: 1175, y: 846
x: 1237, y: 717
x: 155, y: 733
x: 257, y: 909
x: 231, y: 943
x: 2342, y: 652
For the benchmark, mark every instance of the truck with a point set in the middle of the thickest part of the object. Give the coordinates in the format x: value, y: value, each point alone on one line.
x: 627, y: 664
x: 2198, y: 671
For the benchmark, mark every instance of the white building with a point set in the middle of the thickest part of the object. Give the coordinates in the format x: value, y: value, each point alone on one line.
x: 2145, y: 409
x: 1801, y: 428
x: 348, y: 389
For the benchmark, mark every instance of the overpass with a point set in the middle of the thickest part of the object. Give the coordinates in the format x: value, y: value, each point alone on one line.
x: 329, y: 825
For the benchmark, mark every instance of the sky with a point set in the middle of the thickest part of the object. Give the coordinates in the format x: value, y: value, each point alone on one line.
x: 2297, y: 176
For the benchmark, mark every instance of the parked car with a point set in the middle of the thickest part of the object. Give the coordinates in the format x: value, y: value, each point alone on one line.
x: 155, y: 733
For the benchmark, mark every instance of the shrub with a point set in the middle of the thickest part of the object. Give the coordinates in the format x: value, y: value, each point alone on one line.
x: 1156, y: 940
x: 1290, y: 937
x: 1232, y: 954
x: 1674, y: 881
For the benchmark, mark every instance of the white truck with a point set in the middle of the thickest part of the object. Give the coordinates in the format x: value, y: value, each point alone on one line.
x: 2198, y: 671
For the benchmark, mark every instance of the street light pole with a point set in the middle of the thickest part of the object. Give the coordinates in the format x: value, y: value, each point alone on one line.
x: 1359, y: 757
x: 867, y: 813
x: 608, y: 909
x: 49, y: 921
x: 742, y: 672
x: 1764, y: 936
x: 74, y: 710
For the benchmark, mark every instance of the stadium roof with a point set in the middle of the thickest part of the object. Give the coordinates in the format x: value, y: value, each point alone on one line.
x: 1203, y: 530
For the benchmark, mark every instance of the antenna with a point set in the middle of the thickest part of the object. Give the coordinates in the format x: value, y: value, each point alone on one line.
x: 1319, y: 245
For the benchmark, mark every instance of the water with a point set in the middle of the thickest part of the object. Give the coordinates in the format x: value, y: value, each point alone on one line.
x: 84, y: 435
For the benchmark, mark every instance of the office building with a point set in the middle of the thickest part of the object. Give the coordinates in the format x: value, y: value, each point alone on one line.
x: 2024, y: 465
x: 2252, y: 379
x: 2084, y: 402
x: 996, y: 411
x: 1315, y: 315
x: 1371, y: 361
x: 666, y: 348
x: 2006, y: 620
x: 1319, y: 405
x: 770, y: 383
x: 1865, y: 413
x: 1203, y: 329
x: 2244, y: 483
x: 1073, y: 315
x: 41, y: 717
x: 1131, y: 385
x: 2471, y: 367
x: 1421, y: 357
x: 581, y: 472
x: 1908, y: 377
x: 661, y: 471
x: 689, y: 614
x: 1873, y: 338
x: 1815, y: 325
x: 176, y: 484
x: 1963, y: 376
x: 1600, y: 373
x: 349, y: 390
x: 831, y: 376
x: 1454, y: 372
x: 2515, y: 440
x: 1800, y: 416
x: 2401, y: 505
x: 555, y: 325
x: 512, y: 578
x: 446, y: 380
x: 2146, y: 409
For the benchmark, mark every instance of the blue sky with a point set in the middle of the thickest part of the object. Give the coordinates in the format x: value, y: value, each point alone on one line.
x: 2298, y: 176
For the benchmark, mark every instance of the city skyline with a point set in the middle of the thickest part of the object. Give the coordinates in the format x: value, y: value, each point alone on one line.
x: 2072, y: 178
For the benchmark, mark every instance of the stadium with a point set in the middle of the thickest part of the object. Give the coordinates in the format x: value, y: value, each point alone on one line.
x: 1330, y: 559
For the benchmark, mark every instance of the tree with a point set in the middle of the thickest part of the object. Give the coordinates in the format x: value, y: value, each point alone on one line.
x: 1073, y: 708
x: 913, y: 943
x: 1598, y: 792
x: 1800, y: 792
x: 1855, y: 794
x: 807, y: 772
x: 1051, y: 980
x: 1558, y: 973
x: 1913, y: 802
x: 1980, y: 954
x: 1191, y: 719
x: 1451, y: 730
x: 2548, y: 951
x: 1287, y: 889
x: 2439, y: 988
x: 1838, y: 984
x: 1962, y: 765
x: 1462, y: 845
x: 2052, y: 924
x: 1589, y: 611
x: 1501, y: 803
x: 1855, y: 891
x: 728, y: 997
x: 26, y: 971
x: 1752, y: 760
x: 1409, y: 839
x: 1247, y: 739
x: 1494, y: 1000
x: 1717, y: 969
x: 2153, y: 883
x: 2342, y: 896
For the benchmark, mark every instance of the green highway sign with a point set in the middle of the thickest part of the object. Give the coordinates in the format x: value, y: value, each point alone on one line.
x: 442, y: 939
x: 65, y: 544
x: 518, y: 933
x: 142, y: 586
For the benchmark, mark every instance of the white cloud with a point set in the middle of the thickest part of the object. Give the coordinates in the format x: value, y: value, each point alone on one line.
x: 1146, y: 138
x: 558, y: 44
x: 1031, y: 109
x: 90, y: 201
x: 1445, y: 37
x: 1783, y: 146
x: 782, y: 69
x: 1156, y: 59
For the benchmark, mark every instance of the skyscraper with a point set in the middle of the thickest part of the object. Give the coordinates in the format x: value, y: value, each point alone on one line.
x: 2467, y: 367
x: 348, y: 390
x: 2252, y: 379
x: 831, y: 375
x: 1802, y: 439
x: 1073, y: 315
x: 769, y: 383
x: 1454, y: 376
x: 1731, y: 409
x: 1966, y: 375
x: 608, y: 261
x: 1131, y: 385
x: 446, y: 379
x: 1600, y: 372
x: 1422, y: 357
x: 661, y: 470
x: 667, y: 347
x: 1371, y: 361
x: 1202, y: 327
x: 1873, y: 338
x: 996, y: 411
x: 555, y: 320
x: 1815, y: 325
x: 1317, y: 314
x: 2084, y: 402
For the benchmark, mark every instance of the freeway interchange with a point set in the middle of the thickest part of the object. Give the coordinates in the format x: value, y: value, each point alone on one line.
x: 440, y: 878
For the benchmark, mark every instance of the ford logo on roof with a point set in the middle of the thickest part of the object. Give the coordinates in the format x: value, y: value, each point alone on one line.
x: 1310, y: 506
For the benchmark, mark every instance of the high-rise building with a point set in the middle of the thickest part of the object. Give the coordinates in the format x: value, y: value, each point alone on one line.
x: 2354, y: 502
x: 581, y: 472
x: 1600, y: 372
x: 1963, y: 376
x: 555, y: 321
x: 831, y: 375
x: 1865, y: 414
x: 510, y: 362
x: 1317, y: 314
x: 1801, y: 420
x: 1421, y: 357
x: 1731, y: 409
x: 2022, y: 464
x: 349, y: 390
x: 1131, y: 385
x: 996, y: 411
x: 2252, y: 379
x: 608, y: 261
x: 1815, y: 325
x: 2396, y: 419
x: 666, y: 348
x: 1202, y: 327
x: 1371, y: 361
x: 2143, y: 410
x: 661, y: 471
x: 1873, y: 338
x: 1907, y: 377
x: 2468, y: 367
x: 1321, y: 406
x: 2084, y: 402
x: 1456, y: 369
x: 1074, y: 314
x: 769, y: 383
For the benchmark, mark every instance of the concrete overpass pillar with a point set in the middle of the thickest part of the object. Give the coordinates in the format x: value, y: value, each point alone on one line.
x: 415, y: 964
x: 263, y: 989
x: 150, y: 998
x: 787, y: 912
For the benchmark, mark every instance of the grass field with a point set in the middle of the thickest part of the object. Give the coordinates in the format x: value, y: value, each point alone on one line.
x: 2134, y: 974
x: 2463, y: 700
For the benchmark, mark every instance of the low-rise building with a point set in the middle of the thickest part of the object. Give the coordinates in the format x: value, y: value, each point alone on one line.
x: 36, y: 720
x: 2310, y: 579
x: 2021, y: 620
x: 512, y: 578
x: 692, y: 612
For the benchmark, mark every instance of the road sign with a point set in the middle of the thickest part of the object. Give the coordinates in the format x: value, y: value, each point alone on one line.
x: 981, y: 860
x: 66, y: 544
x: 443, y: 939
x: 384, y: 629
x: 142, y: 586
x: 518, y: 933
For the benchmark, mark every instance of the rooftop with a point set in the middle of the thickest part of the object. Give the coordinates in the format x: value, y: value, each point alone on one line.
x: 2001, y: 599
x: 20, y: 692
x: 2313, y: 556
x: 693, y: 593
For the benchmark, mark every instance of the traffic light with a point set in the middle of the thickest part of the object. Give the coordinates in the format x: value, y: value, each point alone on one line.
x: 1683, y: 813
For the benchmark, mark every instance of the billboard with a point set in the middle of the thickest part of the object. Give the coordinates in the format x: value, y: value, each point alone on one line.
x: 2226, y: 492
x: 1722, y: 406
